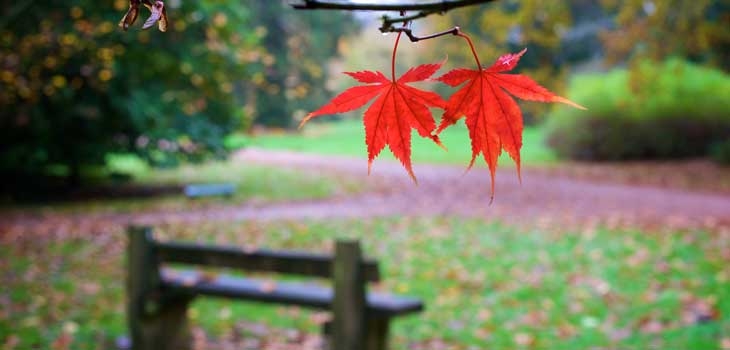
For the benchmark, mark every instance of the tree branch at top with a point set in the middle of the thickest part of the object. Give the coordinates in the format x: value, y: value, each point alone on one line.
x: 437, y: 6
x: 425, y: 8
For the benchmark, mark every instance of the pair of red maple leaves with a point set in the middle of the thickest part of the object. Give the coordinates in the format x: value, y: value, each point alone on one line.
x: 493, y: 118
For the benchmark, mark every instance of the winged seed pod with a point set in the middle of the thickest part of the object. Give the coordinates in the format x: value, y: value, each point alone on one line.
x: 158, y: 14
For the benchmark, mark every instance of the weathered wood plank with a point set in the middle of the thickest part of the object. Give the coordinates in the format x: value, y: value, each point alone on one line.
x: 376, y: 336
x: 286, y: 262
x: 205, y: 190
x: 348, y: 306
x: 191, y: 282
x: 154, y: 322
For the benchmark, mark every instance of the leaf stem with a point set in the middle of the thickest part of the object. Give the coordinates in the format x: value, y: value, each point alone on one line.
x: 392, y: 61
x: 473, y: 50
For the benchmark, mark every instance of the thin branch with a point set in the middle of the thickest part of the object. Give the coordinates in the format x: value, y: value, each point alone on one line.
x: 388, y: 22
x: 414, y: 38
x: 433, y: 6
x: 425, y: 8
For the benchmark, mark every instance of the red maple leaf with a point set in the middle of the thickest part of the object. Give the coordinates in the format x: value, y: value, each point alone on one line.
x: 397, y: 109
x: 493, y: 118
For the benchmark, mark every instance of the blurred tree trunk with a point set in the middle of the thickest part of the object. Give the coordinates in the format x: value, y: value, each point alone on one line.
x: 272, y: 108
x: 74, y: 173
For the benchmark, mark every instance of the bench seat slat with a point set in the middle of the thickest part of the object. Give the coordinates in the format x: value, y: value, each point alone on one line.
x: 293, y: 293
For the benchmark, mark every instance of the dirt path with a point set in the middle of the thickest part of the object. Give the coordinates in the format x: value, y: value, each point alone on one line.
x: 542, y: 200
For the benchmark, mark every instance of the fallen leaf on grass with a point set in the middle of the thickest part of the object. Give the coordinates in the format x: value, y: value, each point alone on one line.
x: 523, y: 339
x: 320, y: 318
x: 90, y: 288
x: 11, y: 342
x: 534, y: 318
x: 650, y: 325
x: 566, y: 330
x: 62, y: 342
x: 619, y: 334
x: 698, y: 310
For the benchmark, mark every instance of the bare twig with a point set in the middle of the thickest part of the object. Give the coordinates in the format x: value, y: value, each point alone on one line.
x: 414, y: 38
x: 432, y: 6
x: 424, y: 8
x: 388, y: 22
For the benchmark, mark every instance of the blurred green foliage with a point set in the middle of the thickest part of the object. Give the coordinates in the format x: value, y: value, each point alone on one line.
x: 697, y: 30
x: 510, y: 26
x: 74, y: 87
x: 720, y: 151
x: 652, y: 111
x: 299, y: 46
x: 579, y: 35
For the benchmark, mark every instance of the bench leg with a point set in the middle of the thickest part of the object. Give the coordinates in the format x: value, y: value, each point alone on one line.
x: 348, y: 304
x: 156, y: 322
x: 376, y: 337
x: 164, y: 329
x: 376, y: 334
x: 327, y: 335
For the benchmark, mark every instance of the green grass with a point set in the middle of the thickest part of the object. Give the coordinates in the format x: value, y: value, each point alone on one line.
x: 255, y: 184
x: 485, y: 285
x: 347, y: 138
x: 253, y: 181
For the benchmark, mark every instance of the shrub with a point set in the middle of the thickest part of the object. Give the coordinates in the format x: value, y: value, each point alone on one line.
x: 720, y: 152
x: 653, y: 111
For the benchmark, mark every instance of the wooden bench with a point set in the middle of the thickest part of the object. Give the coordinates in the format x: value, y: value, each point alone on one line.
x: 158, y: 296
x: 208, y: 190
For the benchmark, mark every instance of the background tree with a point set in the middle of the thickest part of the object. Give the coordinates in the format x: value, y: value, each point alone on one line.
x: 667, y: 99
x: 510, y: 26
x: 293, y: 73
x: 565, y: 35
x: 73, y: 87
x: 696, y: 30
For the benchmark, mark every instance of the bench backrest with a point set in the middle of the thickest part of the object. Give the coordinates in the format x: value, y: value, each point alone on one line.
x: 284, y: 262
x: 263, y: 260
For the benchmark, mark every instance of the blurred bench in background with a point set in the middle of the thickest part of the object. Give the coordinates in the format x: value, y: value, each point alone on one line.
x: 158, y: 296
x: 208, y: 190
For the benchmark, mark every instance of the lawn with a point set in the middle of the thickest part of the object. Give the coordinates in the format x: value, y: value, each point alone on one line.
x: 485, y: 285
x: 255, y: 184
x: 347, y: 138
